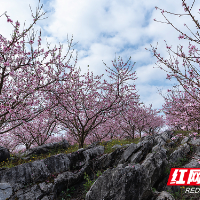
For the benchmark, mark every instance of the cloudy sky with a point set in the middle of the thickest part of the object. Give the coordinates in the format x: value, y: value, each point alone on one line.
x: 104, y: 29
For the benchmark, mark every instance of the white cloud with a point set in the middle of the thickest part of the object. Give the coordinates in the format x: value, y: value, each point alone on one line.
x: 102, y: 28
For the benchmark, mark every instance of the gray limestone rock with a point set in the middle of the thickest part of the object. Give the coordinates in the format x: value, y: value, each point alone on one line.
x: 129, y: 172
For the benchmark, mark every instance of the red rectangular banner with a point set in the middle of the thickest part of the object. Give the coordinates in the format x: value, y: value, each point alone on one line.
x: 184, y: 176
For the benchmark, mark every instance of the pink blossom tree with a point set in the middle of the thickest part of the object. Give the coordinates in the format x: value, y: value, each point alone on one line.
x: 87, y: 104
x: 182, y: 111
x: 189, y: 81
x: 22, y: 78
x: 140, y: 119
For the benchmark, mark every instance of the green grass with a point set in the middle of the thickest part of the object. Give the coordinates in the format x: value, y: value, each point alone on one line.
x: 108, y: 149
x: 73, y: 148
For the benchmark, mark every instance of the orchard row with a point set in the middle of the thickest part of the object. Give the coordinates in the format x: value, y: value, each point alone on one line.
x: 39, y: 98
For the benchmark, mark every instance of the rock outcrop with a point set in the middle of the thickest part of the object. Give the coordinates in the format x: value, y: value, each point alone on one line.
x: 131, y: 172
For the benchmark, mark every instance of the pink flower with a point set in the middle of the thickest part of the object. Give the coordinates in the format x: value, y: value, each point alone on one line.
x: 9, y: 20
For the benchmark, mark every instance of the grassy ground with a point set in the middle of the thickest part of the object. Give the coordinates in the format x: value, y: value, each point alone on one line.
x: 81, y: 190
x: 73, y: 148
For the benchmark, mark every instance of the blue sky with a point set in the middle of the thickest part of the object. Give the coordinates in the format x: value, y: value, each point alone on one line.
x: 103, y: 28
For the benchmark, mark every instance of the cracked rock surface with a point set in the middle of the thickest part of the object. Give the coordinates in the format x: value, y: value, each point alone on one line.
x: 131, y: 172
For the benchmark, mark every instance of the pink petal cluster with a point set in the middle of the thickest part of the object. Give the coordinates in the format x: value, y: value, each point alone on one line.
x: 39, y: 99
